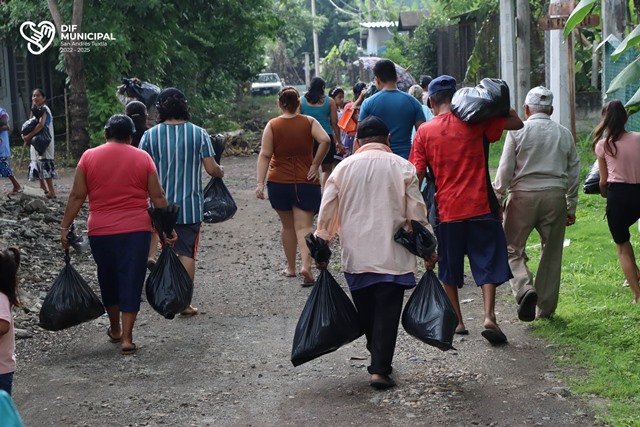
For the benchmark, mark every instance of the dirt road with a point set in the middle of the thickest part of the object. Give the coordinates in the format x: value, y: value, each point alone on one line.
x: 229, y: 366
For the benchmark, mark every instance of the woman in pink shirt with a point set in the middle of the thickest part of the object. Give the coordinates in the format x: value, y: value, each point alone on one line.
x: 618, y: 154
x: 119, y: 180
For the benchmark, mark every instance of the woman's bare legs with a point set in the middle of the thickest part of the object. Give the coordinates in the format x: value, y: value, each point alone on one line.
x: 326, y: 171
x: 52, y: 191
x: 627, y: 260
x: 303, y: 223
x: 288, y: 239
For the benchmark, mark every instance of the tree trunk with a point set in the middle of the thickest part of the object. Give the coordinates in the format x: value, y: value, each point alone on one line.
x: 74, y: 66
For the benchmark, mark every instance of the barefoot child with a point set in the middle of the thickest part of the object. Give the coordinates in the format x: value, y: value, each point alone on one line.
x: 9, y: 263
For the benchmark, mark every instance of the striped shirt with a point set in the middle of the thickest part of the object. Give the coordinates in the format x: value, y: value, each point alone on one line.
x: 177, y: 151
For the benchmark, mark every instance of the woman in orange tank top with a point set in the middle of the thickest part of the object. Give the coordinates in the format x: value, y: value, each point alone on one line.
x: 287, y: 156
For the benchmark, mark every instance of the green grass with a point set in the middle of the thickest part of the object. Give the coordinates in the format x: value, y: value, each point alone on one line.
x: 596, y: 327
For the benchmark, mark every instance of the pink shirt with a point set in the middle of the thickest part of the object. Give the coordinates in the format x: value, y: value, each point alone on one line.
x: 8, y: 340
x: 117, y: 176
x: 625, y: 166
x: 367, y: 198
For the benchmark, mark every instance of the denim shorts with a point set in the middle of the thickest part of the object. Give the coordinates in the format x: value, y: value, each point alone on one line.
x: 6, y: 382
x: 482, y: 240
x: 284, y: 197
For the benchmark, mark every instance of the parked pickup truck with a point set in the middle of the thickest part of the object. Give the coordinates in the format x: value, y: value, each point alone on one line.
x: 266, y: 83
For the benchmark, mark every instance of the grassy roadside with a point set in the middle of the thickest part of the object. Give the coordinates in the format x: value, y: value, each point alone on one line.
x: 596, y: 327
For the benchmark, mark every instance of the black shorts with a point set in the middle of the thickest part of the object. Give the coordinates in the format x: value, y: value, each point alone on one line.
x: 623, y: 209
x: 284, y: 197
x: 328, y: 159
x: 188, y: 237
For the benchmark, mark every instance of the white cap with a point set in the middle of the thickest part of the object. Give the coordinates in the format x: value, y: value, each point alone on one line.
x: 539, y: 96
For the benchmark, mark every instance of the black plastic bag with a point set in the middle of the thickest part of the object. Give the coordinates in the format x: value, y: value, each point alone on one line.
x: 41, y: 140
x: 318, y: 247
x: 328, y: 321
x: 218, y: 204
x: 29, y: 126
x: 145, y: 92
x: 592, y: 181
x: 487, y: 100
x: 169, y: 288
x: 419, y: 241
x: 164, y: 219
x: 429, y: 315
x: 219, y: 144
x: 429, y: 197
x: 70, y: 301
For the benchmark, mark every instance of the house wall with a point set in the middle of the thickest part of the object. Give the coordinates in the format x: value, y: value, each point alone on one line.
x: 376, y: 43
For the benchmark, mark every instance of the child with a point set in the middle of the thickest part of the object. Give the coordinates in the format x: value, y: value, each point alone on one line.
x: 5, y: 152
x: 9, y: 263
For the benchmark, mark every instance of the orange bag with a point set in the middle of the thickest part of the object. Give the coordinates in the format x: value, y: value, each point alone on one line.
x: 349, y: 121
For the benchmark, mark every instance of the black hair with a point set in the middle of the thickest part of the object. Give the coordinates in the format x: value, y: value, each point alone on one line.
x: 119, y: 127
x: 289, y: 99
x: 137, y: 111
x: 385, y: 70
x: 424, y: 81
x: 173, y: 107
x: 40, y: 91
x: 9, y: 264
x: 315, y: 94
x: 614, y: 117
x: 336, y: 91
x: 442, y: 97
x: 358, y: 88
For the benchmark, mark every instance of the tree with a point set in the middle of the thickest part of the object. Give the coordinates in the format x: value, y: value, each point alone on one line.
x: 74, y: 66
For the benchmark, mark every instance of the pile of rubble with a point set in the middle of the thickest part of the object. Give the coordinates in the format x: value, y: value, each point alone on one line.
x: 32, y: 223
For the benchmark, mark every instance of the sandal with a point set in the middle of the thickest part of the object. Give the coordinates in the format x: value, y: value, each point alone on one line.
x: 129, y: 350
x: 111, y: 337
x: 189, y: 311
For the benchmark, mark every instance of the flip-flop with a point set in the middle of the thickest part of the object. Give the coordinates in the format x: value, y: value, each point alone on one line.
x: 130, y: 350
x: 111, y: 337
x: 494, y: 336
x: 285, y: 274
x: 462, y: 331
x: 190, y: 311
x: 306, y: 284
x: 14, y: 192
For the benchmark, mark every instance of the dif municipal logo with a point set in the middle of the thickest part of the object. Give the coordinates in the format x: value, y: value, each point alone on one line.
x: 40, y: 36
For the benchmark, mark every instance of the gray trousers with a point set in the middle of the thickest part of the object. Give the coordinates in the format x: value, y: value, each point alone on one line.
x: 546, y: 212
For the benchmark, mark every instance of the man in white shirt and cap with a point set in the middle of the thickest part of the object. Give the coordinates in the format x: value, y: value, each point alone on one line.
x: 540, y: 170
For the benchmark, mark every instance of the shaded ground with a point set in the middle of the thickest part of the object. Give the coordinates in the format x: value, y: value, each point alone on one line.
x: 230, y: 365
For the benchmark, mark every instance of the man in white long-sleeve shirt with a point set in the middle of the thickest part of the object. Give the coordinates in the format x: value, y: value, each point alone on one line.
x: 540, y: 168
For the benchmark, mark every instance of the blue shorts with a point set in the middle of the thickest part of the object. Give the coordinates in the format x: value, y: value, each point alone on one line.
x: 122, y: 266
x: 284, y: 197
x: 482, y: 240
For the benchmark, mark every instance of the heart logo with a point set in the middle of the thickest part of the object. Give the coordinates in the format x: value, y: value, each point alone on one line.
x: 39, y: 36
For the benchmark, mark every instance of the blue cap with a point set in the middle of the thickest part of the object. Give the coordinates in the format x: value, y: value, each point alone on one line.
x: 441, y: 83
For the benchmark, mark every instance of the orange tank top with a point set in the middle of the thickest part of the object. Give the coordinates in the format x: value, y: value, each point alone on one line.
x: 292, y: 150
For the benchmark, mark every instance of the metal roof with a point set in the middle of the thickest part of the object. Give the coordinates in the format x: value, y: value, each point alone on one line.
x: 380, y: 24
x: 411, y: 20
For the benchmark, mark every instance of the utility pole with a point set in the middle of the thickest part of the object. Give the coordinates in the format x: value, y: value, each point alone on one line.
x: 523, y: 52
x: 316, y: 49
x: 507, y: 47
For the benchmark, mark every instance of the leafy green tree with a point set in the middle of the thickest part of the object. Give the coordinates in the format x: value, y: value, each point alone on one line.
x: 631, y: 73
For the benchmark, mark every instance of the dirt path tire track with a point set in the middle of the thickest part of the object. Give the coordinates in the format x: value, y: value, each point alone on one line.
x: 229, y: 366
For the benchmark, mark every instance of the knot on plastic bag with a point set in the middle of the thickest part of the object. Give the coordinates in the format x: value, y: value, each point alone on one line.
x: 318, y: 247
x: 419, y: 241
